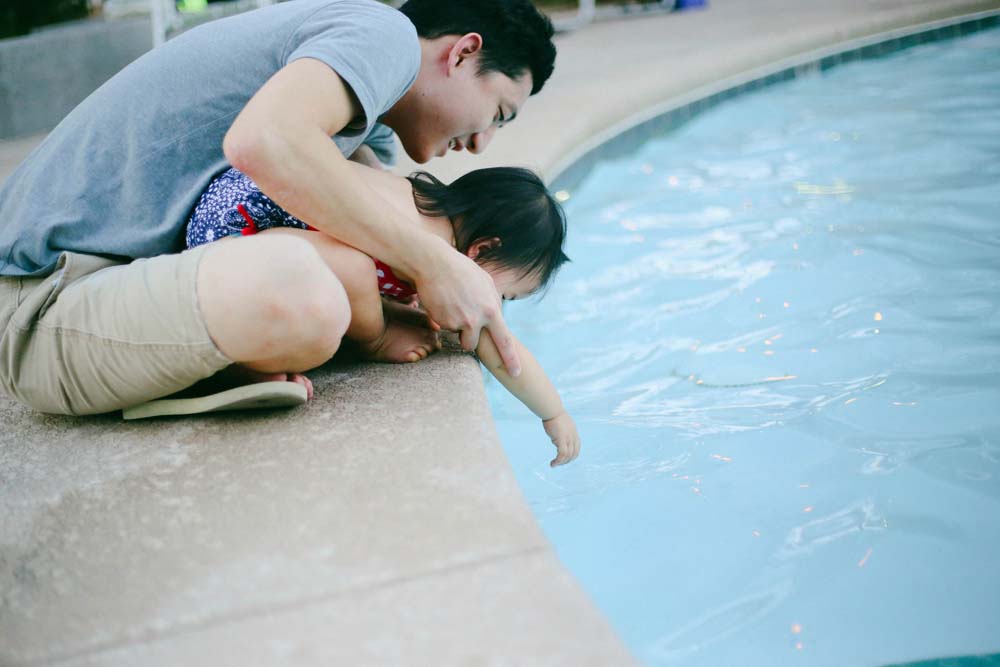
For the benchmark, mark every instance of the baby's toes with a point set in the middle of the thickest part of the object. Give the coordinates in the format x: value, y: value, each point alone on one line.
x: 417, y: 353
x: 432, y: 343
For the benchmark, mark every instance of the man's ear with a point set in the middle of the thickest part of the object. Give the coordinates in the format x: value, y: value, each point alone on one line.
x: 464, y: 47
x: 477, y: 247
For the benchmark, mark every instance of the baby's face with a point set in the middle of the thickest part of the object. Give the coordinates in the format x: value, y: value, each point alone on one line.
x: 511, y: 284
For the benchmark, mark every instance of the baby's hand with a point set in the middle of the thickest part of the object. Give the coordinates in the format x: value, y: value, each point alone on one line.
x: 562, y: 431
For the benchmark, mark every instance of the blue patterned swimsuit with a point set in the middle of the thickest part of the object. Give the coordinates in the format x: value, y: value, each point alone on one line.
x: 217, y: 214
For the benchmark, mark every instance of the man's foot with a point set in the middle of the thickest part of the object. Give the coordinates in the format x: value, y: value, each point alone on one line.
x: 238, y: 375
x: 253, y: 396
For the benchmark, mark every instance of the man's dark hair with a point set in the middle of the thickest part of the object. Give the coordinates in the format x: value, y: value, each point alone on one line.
x: 508, y: 203
x: 516, y: 36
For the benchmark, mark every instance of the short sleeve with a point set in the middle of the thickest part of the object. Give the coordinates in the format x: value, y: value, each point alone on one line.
x: 382, y: 140
x: 373, y: 47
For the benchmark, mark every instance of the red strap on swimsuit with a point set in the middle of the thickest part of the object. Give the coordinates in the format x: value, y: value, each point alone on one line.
x: 391, y: 285
x: 251, y: 227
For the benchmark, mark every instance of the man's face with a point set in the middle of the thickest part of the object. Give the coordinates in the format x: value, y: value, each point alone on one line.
x: 457, y: 111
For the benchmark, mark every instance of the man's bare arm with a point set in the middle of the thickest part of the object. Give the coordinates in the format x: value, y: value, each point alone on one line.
x: 281, y: 140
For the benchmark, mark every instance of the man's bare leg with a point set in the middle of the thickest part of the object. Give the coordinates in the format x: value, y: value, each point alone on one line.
x: 272, y: 305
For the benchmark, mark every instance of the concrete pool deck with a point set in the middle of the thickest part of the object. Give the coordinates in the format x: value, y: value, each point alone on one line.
x: 380, y: 524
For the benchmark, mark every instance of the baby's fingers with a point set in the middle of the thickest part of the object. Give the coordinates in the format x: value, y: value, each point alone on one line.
x: 565, y: 452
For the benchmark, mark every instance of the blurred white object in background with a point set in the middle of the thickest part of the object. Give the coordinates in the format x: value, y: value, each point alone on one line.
x: 167, y: 20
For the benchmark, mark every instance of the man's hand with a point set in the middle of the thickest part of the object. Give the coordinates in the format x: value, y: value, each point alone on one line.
x: 460, y: 296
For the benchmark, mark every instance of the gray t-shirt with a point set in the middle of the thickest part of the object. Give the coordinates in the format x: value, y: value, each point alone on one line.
x: 120, y: 175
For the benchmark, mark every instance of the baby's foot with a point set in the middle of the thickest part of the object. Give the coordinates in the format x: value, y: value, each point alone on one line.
x: 410, y: 313
x: 401, y: 343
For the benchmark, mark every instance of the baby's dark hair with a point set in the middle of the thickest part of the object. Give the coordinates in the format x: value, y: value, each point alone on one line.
x: 508, y: 203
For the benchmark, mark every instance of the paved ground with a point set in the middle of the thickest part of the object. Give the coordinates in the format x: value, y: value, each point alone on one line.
x: 353, y: 531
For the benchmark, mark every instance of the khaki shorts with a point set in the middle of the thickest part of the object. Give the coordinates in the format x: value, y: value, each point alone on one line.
x: 96, y: 335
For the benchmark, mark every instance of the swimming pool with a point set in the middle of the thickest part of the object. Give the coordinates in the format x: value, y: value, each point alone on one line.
x: 780, y: 336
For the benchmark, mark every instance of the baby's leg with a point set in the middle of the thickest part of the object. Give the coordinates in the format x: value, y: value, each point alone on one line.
x: 355, y: 271
x: 379, y: 337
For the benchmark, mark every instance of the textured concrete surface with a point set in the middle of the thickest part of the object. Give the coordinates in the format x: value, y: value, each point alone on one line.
x: 381, y: 523
x: 349, y: 530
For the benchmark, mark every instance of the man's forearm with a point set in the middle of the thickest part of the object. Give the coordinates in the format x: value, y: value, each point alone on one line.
x: 307, y: 176
x: 289, y: 155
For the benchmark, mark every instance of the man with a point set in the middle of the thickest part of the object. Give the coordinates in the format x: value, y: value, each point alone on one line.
x: 99, y: 310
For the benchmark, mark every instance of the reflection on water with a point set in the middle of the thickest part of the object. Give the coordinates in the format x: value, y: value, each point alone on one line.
x: 780, y: 336
x: 720, y: 622
x: 857, y: 517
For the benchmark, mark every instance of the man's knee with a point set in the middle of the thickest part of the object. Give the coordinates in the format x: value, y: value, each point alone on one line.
x: 323, y: 311
x: 269, y: 297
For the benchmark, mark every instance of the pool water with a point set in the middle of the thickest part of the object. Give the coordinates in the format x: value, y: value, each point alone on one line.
x: 780, y: 337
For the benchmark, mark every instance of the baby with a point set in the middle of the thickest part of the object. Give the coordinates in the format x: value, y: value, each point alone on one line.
x: 503, y: 218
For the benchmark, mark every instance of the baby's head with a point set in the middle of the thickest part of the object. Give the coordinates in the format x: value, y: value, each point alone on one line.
x: 504, y: 219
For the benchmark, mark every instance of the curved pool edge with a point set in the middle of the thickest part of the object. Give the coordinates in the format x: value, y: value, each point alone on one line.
x: 627, y: 134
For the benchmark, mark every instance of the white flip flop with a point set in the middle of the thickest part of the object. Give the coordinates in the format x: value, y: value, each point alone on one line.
x: 248, y: 397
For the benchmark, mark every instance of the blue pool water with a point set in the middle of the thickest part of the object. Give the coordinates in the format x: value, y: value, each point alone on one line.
x: 780, y: 336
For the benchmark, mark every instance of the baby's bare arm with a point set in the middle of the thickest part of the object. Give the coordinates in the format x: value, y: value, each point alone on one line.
x: 535, y: 390
x: 532, y: 386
